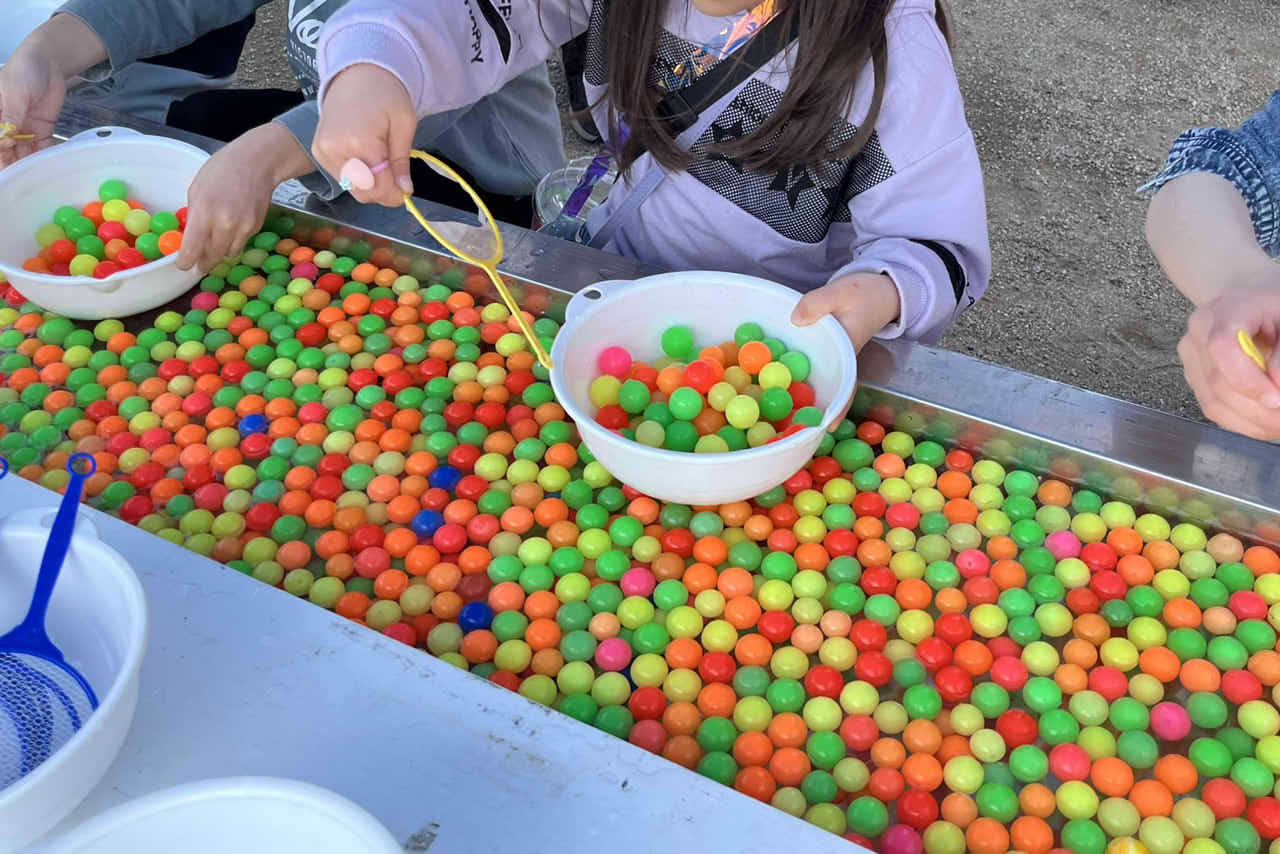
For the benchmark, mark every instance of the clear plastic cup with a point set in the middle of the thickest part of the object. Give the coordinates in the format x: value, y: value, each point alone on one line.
x: 554, y: 189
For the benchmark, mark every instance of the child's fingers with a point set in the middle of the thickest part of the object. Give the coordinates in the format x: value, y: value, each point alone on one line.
x: 194, y: 238
x: 1213, y: 335
x: 1221, y: 402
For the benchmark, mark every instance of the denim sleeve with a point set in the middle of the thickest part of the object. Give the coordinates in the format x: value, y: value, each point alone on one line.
x: 1249, y: 158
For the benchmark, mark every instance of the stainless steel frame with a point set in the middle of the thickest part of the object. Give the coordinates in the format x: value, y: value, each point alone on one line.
x: 1159, y: 462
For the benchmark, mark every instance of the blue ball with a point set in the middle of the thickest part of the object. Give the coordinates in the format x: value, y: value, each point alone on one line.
x: 426, y: 523
x: 475, y: 615
x: 445, y: 477
x: 253, y: 423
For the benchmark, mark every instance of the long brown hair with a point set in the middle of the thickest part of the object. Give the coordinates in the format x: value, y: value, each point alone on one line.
x: 835, y: 40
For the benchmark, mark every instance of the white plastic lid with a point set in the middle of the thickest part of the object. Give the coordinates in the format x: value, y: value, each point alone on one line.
x: 232, y: 814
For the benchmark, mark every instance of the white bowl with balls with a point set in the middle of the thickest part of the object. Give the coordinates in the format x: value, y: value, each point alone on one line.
x: 157, y: 172
x: 633, y: 315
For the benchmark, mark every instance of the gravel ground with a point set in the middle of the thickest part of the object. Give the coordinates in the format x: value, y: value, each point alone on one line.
x: 1074, y: 104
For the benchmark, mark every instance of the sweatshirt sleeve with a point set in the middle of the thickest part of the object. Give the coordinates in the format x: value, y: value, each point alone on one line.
x: 133, y: 30
x: 925, y: 226
x: 447, y: 53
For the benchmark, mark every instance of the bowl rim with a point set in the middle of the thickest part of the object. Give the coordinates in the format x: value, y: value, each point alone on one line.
x: 585, y: 423
x: 115, y: 136
x: 31, y: 521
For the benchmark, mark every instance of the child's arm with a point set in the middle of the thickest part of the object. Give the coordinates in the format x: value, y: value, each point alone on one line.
x: 134, y: 30
x: 921, y: 232
x: 1212, y: 225
x: 385, y: 63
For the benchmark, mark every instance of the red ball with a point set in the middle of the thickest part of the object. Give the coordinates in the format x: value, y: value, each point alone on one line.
x: 1247, y: 605
x: 1003, y: 647
x: 776, y: 626
x: 1098, y: 556
x: 953, y: 628
x: 1069, y: 762
x: 1009, y: 673
x: 1224, y: 797
x: 981, y: 591
x: 801, y: 394
x: 874, y: 667
x: 859, y: 732
x: 197, y: 476
x: 210, y: 497
x: 111, y: 230
x: 700, y: 376
x: 1109, y: 682
x: 1017, y: 728
x: 823, y: 681
x: 1264, y: 814
x: 678, y: 541
x: 954, y: 683
x: 402, y: 632
x: 1107, y: 584
x: 334, y: 464
x: 869, y: 504
x: 904, y: 515
x: 506, y: 679
x: 612, y: 417
x: 128, y: 258
x: 260, y: 517
x: 648, y: 735
x: 868, y: 635
x: 372, y: 562
x: 647, y: 703
x: 878, y: 579
x: 368, y: 535
x: 105, y: 268
x: 449, y: 538
x: 798, y: 482
x: 435, y: 498
x: 917, y: 809
x: 327, y: 487
x: 717, y: 667
x: 135, y: 507
x: 62, y: 251
x: 840, y: 543
x: 256, y: 446
x: 934, y: 653
x: 824, y: 469
x: 1082, y: 600
x: 483, y: 527
x: 1241, y: 686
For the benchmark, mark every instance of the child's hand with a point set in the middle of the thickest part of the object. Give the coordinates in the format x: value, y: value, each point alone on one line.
x: 32, y: 90
x: 228, y: 199
x: 367, y: 115
x: 1233, y: 392
x: 863, y: 303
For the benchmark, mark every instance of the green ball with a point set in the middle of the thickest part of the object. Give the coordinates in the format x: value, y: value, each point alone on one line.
x: 868, y: 816
x: 677, y: 342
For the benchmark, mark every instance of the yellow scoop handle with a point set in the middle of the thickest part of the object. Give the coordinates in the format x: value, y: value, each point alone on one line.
x: 489, y: 265
x: 1251, y: 349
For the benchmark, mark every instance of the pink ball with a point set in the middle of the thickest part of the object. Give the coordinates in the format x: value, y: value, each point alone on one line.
x: 648, y: 735
x: 305, y: 270
x: 1062, y: 545
x: 204, y: 301
x: 614, y: 361
x: 900, y: 839
x: 1170, y: 722
x: 613, y: 654
x: 972, y: 563
x: 638, y: 582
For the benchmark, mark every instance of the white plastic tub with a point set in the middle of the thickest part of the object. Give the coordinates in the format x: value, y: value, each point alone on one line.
x: 634, y: 314
x: 98, y: 618
x: 158, y: 172
x: 236, y: 814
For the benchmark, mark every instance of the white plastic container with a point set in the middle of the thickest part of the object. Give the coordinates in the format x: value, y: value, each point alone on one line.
x: 236, y: 814
x: 633, y: 315
x: 158, y: 172
x: 98, y: 618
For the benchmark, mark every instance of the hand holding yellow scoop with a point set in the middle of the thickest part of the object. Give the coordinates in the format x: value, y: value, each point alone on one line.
x: 480, y: 245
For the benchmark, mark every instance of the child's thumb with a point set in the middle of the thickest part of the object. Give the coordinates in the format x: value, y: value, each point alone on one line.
x: 400, y: 144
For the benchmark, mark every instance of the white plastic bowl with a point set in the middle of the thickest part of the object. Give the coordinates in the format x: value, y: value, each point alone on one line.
x: 98, y: 618
x: 158, y: 172
x: 633, y: 315
x: 236, y: 814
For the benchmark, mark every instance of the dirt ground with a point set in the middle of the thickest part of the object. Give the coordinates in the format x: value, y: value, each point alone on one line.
x: 1074, y: 104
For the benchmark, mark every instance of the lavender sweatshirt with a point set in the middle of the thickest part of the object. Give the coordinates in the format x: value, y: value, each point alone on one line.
x: 910, y: 205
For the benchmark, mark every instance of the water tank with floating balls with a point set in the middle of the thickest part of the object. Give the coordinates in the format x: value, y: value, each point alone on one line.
x: 156, y: 172
x: 633, y: 315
